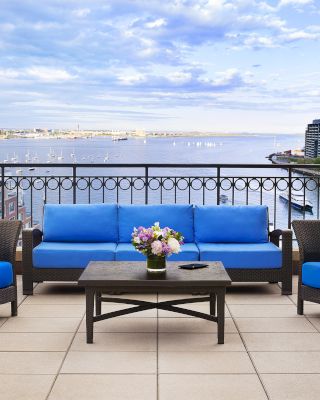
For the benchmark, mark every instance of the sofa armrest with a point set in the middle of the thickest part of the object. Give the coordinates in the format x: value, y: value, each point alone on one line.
x: 31, y: 237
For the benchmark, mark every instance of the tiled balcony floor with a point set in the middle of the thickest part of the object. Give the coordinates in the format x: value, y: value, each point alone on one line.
x: 269, y: 351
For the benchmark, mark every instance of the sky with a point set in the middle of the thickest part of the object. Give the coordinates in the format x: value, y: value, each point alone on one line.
x: 180, y: 65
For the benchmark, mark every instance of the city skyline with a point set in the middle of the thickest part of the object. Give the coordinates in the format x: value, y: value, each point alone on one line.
x: 184, y: 65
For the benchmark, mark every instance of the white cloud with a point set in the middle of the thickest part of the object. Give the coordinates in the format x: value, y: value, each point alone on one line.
x: 81, y: 12
x: 158, y: 23
x: 47, y: 74
x: 283, y: 3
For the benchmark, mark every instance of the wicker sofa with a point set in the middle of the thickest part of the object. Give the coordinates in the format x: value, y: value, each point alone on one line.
x: 73, y: 235
x: 9, y: 234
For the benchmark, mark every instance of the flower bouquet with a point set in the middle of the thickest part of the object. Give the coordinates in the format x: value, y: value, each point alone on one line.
x: 156, y: 243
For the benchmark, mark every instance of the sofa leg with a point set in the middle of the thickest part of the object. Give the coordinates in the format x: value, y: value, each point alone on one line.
x: 272, y: 282
x: 300, y: 306
x: 286, y: 287
x: 27, y: 284
x: 14, y: 308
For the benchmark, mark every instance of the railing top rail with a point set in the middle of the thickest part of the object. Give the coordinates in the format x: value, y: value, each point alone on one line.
x: 158, y: 165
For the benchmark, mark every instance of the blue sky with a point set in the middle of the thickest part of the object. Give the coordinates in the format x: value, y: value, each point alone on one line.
x: 205, y: 65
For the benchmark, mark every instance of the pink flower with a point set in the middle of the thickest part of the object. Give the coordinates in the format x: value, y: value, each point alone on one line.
x: 156, y: 247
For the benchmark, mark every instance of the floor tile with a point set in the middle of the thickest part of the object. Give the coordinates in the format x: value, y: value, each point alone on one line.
x: 51, y: 310
x: 110, y: 363
x: 25, y: 387
x: 21, y: 324
x: 205, y: 363
x: 26, y: 362
x: 2, y: 321
x: 253, y: 288
x: 35, y: 341
x: 116, y: 342
x: 57, y: 288
x: 287, y: 362
x: 265, y: 311
x: 109, y: 387
x: 209, y: 387
x: 193, y: 325
x: 133, y: 325
x: 57, y: 299
x: 199, y: 342
x: 282, y: 341
x: 274, y: 325
x: 292, y: 387
x: 257, y: 299
x: 312, y: 311
x: 315, y: 322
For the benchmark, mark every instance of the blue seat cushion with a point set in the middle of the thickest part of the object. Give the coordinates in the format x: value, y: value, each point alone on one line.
x: 87, y: 223
x: 126, y: 252
x: 231, y: 224
x: 175, y: 216
x: 6, y: 274
x: 242, y: 255
x: 71, y: 255
x: 311, y: 274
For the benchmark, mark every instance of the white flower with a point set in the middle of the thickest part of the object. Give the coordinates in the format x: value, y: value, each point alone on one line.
x: 157, y: 224
x: 136, y: 240
x: 156, y: 247
x: 174, y: 245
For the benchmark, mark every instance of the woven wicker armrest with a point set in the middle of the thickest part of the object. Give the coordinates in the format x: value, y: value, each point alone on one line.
x: 277, y: 233
x: 31, y: 237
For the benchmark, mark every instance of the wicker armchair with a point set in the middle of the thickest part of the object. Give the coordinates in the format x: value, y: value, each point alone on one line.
x: 308, y: 237
x: 9, y: 234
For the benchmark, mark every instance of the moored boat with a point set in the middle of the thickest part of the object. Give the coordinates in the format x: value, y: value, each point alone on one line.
x: 298, y: 200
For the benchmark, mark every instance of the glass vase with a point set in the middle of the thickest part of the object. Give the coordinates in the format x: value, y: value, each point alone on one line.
x: 156, y: 264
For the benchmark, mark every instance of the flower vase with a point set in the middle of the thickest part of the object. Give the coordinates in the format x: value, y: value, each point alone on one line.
x: 156, y: 264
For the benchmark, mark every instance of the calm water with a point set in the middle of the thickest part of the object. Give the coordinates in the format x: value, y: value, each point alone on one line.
x: 217, y: 149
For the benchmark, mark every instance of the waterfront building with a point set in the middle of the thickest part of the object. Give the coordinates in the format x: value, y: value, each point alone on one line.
x: 312, y: 139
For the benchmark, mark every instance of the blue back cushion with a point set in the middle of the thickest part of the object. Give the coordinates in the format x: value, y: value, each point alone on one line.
x: 231, y: 224
x: 175, y: 216
x: 80, y: 223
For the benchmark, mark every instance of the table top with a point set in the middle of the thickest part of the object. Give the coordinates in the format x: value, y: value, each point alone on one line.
x: 134, y: 274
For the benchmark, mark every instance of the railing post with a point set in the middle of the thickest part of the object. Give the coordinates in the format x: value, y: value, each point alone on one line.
x: 218, y: 185
x: 74, y: 184
x: 289, y: 196
x: 146, y: 178
x: 2, y: 192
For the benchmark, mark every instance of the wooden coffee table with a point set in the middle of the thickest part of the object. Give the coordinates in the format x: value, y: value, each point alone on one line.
x: 132, y: 277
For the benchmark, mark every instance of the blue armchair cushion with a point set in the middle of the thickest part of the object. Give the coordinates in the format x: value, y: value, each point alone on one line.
x: 311, y: 274
x: 126, y: 252
x: 231, y: 224
x: 87, y: 223
x: 71, y: 255
x: 6, y: 274
x: 242, y: 255
x: 176, y: 216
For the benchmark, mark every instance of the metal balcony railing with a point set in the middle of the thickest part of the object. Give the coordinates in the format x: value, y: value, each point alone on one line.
x: 26, y: 187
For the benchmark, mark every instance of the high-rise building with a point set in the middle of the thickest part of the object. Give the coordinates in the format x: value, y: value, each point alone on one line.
x: 312, y: 139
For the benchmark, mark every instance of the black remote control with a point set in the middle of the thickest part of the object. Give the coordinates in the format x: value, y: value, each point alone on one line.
x: 193, y: 266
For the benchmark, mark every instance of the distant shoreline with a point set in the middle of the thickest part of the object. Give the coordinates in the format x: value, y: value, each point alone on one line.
x: 93, y: 135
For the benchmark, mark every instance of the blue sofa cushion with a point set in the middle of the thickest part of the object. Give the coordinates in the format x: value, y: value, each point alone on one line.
x: 6, y: 274
x: 71, y: 255
x: 231, y: 224
x: 175, y: 216
x: 126, y: 252
x: 80, y: 223
x: 311, y: 274
x: 242, y: 255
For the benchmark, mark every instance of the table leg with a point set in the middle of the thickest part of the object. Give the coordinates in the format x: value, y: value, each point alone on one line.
x: 98, y: 303
x: 212, y: 304
x: 220, y: 313
x: 89, y: 313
